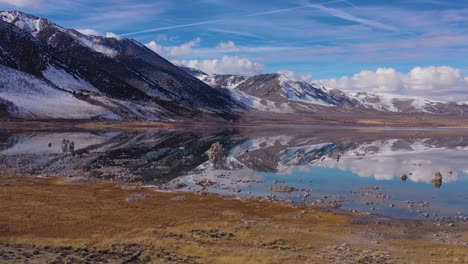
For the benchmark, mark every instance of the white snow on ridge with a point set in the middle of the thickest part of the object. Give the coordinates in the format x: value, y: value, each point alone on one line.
x: 92, y: 42
x: 67, y: 81
x: 35, y: 98
x: 385, y: 102
x: 250, y: 101
x: 300, y: 91
x: 373, y: 101
x: 28, y: 23
x: 34, y: 25
x: 231, y: 83
x: 260, y: 104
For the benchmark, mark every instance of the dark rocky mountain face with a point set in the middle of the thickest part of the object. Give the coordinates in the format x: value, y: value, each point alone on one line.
x: 104, y: 71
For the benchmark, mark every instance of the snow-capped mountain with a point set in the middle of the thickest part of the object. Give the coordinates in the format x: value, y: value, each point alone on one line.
x: 403, y: 104
x: 48, y: 71
x: 278, y: 93
x: 270, y: 92
x: 116, y: 77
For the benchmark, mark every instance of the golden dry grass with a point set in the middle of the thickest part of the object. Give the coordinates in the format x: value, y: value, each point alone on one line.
x: 207, y: 228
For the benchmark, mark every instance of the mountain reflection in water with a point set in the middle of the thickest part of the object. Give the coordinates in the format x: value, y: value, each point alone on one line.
x: 400, y: 173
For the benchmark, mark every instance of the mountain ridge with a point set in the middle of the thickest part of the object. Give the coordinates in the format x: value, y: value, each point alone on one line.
x: 106, y: 71
x: 310, y: 96
x: 113, y: 78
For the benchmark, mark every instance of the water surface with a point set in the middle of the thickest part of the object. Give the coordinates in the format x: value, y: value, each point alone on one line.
x: 389, y: 172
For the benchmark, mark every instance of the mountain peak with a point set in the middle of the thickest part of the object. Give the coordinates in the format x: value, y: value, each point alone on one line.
x: 27, y: 22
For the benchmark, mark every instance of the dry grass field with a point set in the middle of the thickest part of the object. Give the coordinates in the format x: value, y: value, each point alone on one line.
x: 51, y: 220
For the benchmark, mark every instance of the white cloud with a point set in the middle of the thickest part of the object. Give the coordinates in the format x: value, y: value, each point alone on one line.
x: 112, y: 35
x: 444, y: 82
x: 227, y: 46
x: 21, y: 3
x: 225, y: 65
x: 89, y: 32
x: 174, y: 51
x: 294, y: 76
x: 435, y: 78
x: 92, y: 32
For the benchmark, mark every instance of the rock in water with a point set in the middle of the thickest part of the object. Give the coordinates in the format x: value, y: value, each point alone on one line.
x: 437, y: 180
x: 216, y: 154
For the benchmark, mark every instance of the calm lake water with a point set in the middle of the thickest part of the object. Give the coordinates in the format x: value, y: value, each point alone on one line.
x: 390, y: 172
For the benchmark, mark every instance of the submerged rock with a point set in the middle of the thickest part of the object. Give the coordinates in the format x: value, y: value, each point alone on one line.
x: 284, y: 189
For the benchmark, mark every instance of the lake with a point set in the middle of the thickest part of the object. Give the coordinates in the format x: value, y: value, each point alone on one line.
x: 402, y: 173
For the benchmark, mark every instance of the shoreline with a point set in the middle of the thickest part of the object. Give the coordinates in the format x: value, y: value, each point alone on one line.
x: 47, y: 125
x: 191, y: 228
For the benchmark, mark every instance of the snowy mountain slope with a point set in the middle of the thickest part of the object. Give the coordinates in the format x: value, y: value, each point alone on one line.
x: 268, y: 92
x: 68, y: 81
x: 305, y: 92
x: 121, y: 78
x: 279, y: 94
x: 33, y: 98
x: 117, y: 70
x: 392, y: 103
x: 279, y: 88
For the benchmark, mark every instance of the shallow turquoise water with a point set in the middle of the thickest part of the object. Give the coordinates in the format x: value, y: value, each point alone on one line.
x: 344, y: 166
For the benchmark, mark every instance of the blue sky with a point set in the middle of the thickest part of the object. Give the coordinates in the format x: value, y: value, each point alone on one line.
x: 312, y: 39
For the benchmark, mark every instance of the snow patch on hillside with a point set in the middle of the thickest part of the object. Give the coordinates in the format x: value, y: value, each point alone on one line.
x: 31, y: 24
x: 302, y: 92
x: 35, y: 98
x: 93, y: 43
x: 386, y: 102
x: 67, y: 81
x: 258, y: 103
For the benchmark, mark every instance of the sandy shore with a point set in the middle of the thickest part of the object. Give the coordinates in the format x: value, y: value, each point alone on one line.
x: 54, y: 220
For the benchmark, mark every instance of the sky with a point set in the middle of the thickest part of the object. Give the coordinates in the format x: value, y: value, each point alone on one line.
x: 416, y: 47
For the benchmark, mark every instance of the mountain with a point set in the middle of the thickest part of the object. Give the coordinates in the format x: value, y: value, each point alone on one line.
x: 270, y: 92
x: 279, y: 94
x: 404, y: 104
x: 97, y: 77
x: 50, y: 72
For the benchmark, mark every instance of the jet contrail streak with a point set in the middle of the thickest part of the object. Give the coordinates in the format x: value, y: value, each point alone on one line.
x: 219, y: 20
x: 171, y: 27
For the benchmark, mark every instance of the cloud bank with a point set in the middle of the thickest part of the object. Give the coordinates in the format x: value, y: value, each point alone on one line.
x: 92, y: 32
x: 443, y: 82
x: 22, y: 3
x: 225, y: 65
x: 174, y: 51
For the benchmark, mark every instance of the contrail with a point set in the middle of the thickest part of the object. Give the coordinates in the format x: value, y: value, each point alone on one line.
x: 293, y: 8
x: 350, y: 17
x: 171, y: 27
x: 349, y: 3
x: 387, y: 27
x: 220, y: 20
